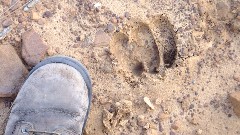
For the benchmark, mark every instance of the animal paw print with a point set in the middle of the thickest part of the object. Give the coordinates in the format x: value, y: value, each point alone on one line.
x: 149, y: 48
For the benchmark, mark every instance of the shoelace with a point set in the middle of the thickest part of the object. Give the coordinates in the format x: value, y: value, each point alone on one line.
x: 34, y: 131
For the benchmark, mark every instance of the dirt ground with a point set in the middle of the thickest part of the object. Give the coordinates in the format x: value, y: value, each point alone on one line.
x: 182, y: 55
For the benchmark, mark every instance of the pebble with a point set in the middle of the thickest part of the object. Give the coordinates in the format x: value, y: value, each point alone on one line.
x: 236, y: 77
x: 33, y: 48
x: 148, y: 102
x: 110, y: 28
x: 102, y: 38
x: 176, y: 125
x: 21, y: 19
x: 6, y: 23
x: 235, y: 101
x: 172, y: 133
x: 12, y: 71
x: 199, y: 132
x: 141, y: 120
x: 163, y: 116
x: 127, y: 15
x: 47, y: 14
x: 113, y: 20
x: 152, y: 132
x: 158, y: 101
x: 35, y: 16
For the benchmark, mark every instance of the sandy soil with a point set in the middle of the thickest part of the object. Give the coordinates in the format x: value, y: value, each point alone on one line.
x: 181, y: 54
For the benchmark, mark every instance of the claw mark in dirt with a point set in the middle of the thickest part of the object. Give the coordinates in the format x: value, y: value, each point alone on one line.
x: 146, y: 48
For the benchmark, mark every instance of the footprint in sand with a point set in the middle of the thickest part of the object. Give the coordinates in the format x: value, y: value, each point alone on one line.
x: 149, y: 48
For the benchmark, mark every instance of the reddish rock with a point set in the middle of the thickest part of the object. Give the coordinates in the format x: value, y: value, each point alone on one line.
x: 235, y: 100
x: 12, y: 71
x: 33, y: 48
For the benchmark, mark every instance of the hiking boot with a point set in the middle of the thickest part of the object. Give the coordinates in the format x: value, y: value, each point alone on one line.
x: 55, y: 99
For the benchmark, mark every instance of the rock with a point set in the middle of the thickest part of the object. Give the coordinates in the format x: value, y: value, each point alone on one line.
x: 110, y: 28
x: 199, y: 132
x: 123, y: 122
x: 176, y: 125
x: 6, y: 2
x: 127, y: 15
x: 222, y: 10
x: 163, y: 116
x: 12, y: 71
x: 47, y: 14
x: 33, y: 48
x: 235, y: 100
x: 102, y: 39
x: 185, y: 104
x: 35, y: 16
x: 172, y: 133
x: 158, y: 101
x: 146, y: 126
x: 7, y: 23
x: 193, y: 120
x: 107, y: 116
x: 235, y: 25
x: 141, y: 120
x: 236, y: 77
x: 152, y: 132
x: 124, y: 106
x: 148, y: 102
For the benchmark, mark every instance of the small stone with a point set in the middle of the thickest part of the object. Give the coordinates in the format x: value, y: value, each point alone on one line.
x: 158, y: 101
x: 33, y: 48
x: 113, y: 20
x: 107, y: 116
x: 193, y: 120
x: 176, y: 125
x: 236, y: 77
x: 47, y: 14
x: 127, y: 15
x: 141, y: 120
x: 199, y: 132
x: 123, y: 122
x: 172, y: 133
x: 21, y: 19
x: 12, y: 71
x: 146, y: 126
x: 163, y: 116
x: 6, y: 2
x: 235, y: 100
x: 124, y: 106
x: 59, y: 6
x: 110, y: 28
x: 222, y: 10
x: 148, y: 102
x: 40, y: 22
x: 191, y: 106
x: 7, y: 23
x: 152, y: 132
x: 35, y: 16
x: 102, y: 38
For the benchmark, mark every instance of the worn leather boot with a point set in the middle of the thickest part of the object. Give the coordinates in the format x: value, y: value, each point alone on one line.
x: 55, y: 99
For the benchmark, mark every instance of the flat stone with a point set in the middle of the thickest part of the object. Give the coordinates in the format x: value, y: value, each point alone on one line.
x: 110, y: 28
x: 35, y: 16
x: 102, y: 38
x: 7, y: 23
x: 33, y: 48
x: 12, y: 71
x: 235, y: 100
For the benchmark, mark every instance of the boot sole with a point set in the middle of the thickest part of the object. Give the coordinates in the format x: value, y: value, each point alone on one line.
x: 75, y: 64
